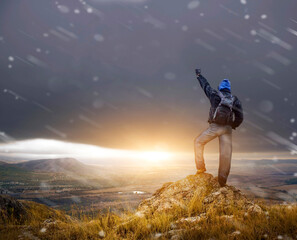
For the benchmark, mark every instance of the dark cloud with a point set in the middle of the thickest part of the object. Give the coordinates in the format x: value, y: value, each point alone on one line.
x: 122, y: 73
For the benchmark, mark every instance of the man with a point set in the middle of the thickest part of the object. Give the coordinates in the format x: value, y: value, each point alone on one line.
x: 225, y: 114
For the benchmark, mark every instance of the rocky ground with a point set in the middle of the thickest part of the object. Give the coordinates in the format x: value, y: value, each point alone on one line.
x: 186, y: 193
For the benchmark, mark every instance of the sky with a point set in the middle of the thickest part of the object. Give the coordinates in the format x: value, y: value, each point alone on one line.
x: 120, y: 73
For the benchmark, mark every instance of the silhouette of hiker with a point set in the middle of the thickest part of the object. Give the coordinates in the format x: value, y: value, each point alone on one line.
x: 225, y: 114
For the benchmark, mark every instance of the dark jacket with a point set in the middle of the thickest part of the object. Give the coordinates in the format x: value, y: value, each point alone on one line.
x: 215, y: 99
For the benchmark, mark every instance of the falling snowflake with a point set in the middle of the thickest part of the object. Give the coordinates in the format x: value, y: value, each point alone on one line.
x: 98, y: 37
x: 158, y: 235
x: 89, y: 10
x: 76, y: 11
x: 11, y: 58
x: 263, y: 16
x: 292, y: 120
x: 192, y: 5
x: 102, y: 234
x: 185, y: 28
x: 253, y: 32
x: 63, y: 8
x: 246, y: 16
x: 243, y: 2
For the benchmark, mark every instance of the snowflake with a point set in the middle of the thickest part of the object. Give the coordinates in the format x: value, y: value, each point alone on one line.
x: 192, y: 5
x: 263, y: 16
x: 185, y: 28
x: 98, y: 37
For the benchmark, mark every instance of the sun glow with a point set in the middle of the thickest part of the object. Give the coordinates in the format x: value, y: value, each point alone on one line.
x: 48, y: 148
x: 155, y: 156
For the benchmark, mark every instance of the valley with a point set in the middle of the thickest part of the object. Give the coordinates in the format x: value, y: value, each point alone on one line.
x: 67, y: 183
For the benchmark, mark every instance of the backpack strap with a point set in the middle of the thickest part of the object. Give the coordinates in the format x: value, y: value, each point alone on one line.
x: 221, y: 96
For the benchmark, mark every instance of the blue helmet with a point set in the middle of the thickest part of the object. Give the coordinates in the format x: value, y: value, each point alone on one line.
x: 225, y: 84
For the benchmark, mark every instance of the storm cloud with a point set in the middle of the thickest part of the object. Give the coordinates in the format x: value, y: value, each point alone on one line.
x: 121, y: 73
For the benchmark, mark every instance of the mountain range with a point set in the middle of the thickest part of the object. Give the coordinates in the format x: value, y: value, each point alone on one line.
x: 58, y: 165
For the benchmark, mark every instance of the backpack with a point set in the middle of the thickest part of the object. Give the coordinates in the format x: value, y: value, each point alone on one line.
x: 224, y: 113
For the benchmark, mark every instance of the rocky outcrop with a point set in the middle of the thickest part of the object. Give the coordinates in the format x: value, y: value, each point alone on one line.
x: 200, y: 187
x: 194, y: 200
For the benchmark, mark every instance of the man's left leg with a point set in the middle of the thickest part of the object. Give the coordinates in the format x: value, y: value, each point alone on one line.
x: 206, y: 136
x: 225, y: 155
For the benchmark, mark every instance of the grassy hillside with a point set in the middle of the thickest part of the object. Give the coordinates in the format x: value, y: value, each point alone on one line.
x: 192, y: 208
x: 10, y: 172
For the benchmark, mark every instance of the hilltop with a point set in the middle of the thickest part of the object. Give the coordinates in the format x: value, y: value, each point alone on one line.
x: 195, y: 207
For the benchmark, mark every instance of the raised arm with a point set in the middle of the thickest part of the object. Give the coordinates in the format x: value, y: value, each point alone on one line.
x: 205, y: 86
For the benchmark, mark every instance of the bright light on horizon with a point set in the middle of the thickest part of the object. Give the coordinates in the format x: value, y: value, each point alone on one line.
x: 155, y: 155
x: 33, y: 149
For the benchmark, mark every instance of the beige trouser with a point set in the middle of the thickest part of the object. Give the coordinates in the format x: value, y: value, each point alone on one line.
x: 224, y: 132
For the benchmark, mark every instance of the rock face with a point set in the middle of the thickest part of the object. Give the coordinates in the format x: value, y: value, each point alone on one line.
x: 201, y: 187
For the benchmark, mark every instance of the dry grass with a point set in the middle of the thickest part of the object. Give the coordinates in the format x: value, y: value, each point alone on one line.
x: 46, y: 223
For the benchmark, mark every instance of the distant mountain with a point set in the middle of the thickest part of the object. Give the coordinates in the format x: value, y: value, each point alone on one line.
x: 28, y: 177
x: 63, y: 165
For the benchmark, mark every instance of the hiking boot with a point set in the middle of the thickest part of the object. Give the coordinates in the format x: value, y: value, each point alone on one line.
x: 201, y: 170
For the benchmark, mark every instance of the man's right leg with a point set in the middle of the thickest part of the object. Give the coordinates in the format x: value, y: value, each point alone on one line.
x: 225, y: 155
x: 209, y: 134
